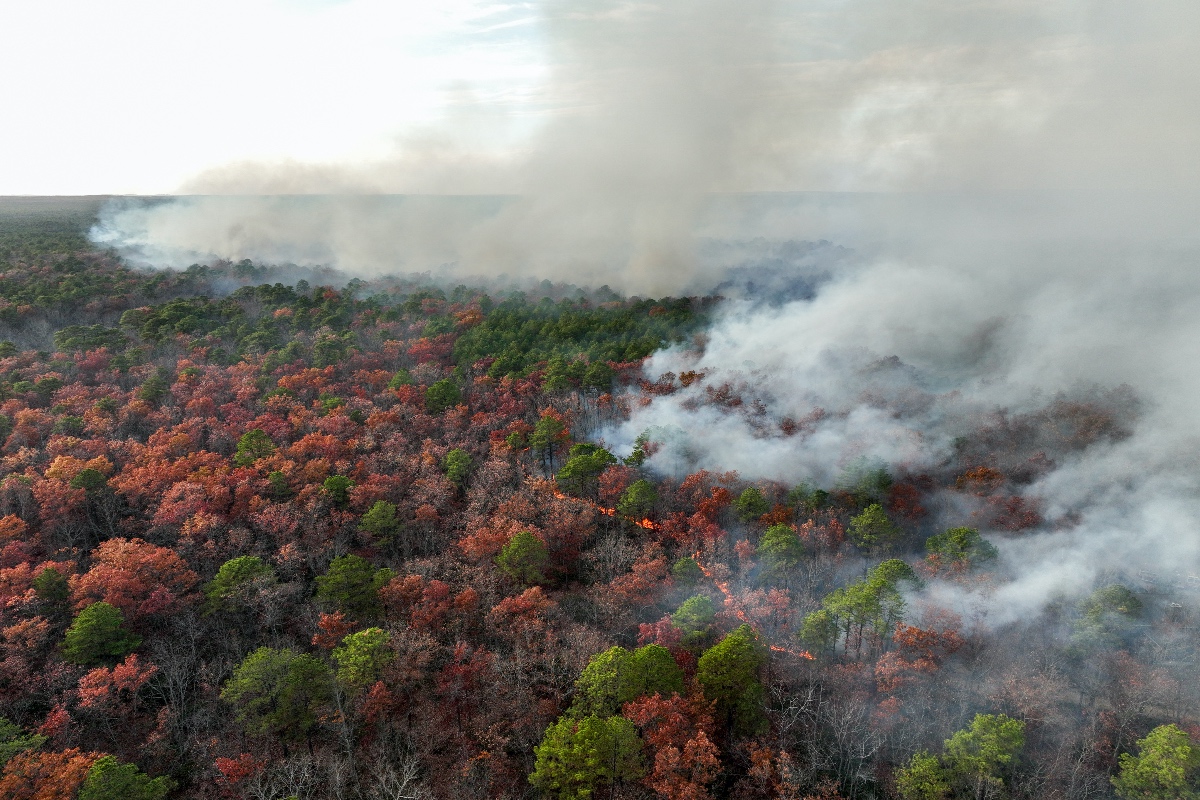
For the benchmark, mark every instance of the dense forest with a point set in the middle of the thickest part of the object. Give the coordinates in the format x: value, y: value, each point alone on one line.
x: 271, y: 533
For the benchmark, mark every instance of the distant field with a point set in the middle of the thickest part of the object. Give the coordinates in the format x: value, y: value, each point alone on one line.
x: 80, y: 210
x: 30, y: 225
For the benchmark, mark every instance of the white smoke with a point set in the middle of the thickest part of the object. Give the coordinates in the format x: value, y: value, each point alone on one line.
x: 905, y: 354
x: 651, y: 107
x: 1056, y: 147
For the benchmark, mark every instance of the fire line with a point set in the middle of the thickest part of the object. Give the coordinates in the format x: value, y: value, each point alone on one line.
x: 723, y: 586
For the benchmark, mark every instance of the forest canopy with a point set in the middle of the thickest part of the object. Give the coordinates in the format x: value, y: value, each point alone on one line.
x: 273, y: 533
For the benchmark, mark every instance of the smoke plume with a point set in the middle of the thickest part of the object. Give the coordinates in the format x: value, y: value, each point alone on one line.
x: 900, y: 360
x: 1015, y: 182
x: 651, y: 108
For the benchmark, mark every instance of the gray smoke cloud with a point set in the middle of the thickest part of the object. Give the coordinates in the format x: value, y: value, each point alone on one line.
x: 896, y: 357
x: 651, y: 108
x: 644, y: 117
x: 1016, y: 180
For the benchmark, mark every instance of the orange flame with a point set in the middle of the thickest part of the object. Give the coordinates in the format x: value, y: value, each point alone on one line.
x: 739, y: 610
x: 646, y: 524
x: 723, y: 586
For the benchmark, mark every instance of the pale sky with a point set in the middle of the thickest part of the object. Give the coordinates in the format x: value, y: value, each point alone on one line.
x: 138, y: 96
x: 628, y: 98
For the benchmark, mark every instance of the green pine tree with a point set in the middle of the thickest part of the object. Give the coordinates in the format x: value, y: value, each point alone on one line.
x: 728, y: 674
x: 98, y: 635
x: 524, y: 559
x: 578, y: 756
x: 109, y: 779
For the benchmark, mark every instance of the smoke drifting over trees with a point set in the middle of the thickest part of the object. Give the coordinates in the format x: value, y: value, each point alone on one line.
x: 956, y: 250
x: 901, y: 365
x: 649, y: 108
x: 1056, y: 254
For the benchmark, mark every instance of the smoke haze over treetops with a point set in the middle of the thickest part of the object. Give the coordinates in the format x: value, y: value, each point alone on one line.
x: 898, y: 364
x: 650, y: 108
x: 1022, y: 218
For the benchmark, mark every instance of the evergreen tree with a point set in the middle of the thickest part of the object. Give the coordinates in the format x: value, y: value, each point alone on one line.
x: 457, y: 465
x: 872, y: 530
x: 381, y: 522
x: 524, y: 559
x: 686, y: 571
x: 694, y: 618
x: 13, y: 740
x: 779, y: 550
x: 547, y: 435
x: 337, y: 489
x: 279, y: 692
x: 253, y: 445
x: 961, y: 544
x: 617, y: 676
x: 1109, y: 617
x: 442, y: 395
x: 1165, y: 767
x: 581, y: 474
x: 750, y: 505
x: 98, y: 635
x: 361, y: 658
x: 109, y: 779
x: 53, y: 593
x: 352, y: 585
x: 578, y: 756
x: 924, y: 778
x: 728, y: 674
x: 979, y: 756
x: 637, y: 501
x: 232, y: 579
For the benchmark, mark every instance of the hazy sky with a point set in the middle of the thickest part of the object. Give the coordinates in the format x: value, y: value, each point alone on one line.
x: 138, y: 96
x: 308, y: 95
